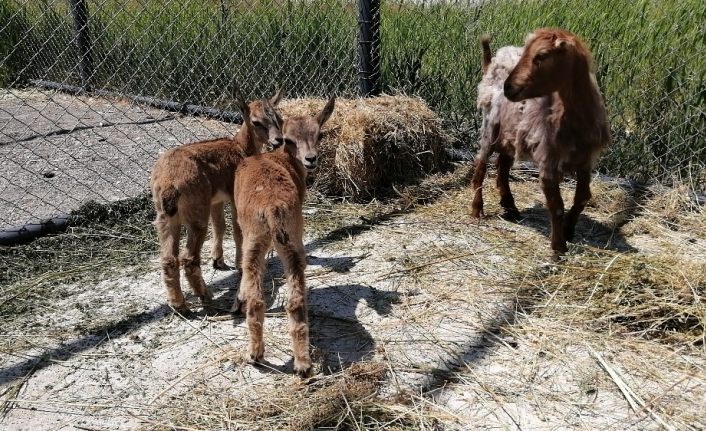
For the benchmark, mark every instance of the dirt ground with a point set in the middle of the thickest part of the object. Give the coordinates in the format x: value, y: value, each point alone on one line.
x: 435, y: 307
x: 58, y: 151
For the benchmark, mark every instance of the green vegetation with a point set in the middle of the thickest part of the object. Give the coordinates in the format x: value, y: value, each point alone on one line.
x: 650, y: 56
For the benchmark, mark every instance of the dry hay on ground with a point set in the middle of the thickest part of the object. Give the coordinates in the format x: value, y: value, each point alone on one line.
x: 371, y: 144
x: 420, y: 319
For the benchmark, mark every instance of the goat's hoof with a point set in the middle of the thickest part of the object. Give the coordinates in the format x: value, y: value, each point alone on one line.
x: 303, y: 370
x: 257, y: 356
x: 477, y: 214
x: 220, y: 265
x: 512, y: 215
x: 206, y: 298
x: 558, y: 251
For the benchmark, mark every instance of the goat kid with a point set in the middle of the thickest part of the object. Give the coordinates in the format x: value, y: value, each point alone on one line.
x: 269, y: 192
x: 541, y: 102
x: 193, y: 181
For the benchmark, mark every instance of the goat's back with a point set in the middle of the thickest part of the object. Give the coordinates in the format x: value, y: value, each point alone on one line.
x: 491, y: 85
x: 196, y: 173
x: 268, y: 183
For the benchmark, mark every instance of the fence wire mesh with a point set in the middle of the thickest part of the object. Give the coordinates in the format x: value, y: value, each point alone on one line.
x: 59, y: 150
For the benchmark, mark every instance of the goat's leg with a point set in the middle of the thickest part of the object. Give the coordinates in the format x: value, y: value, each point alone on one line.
x: 191, y: 259
x: 477, y: 184
x: 219, y: 227
x: 581, y: 198
x: 168, y: 231
x: 251, y: 294
x: 238, y: 239
x: 507, y: 202
x: 293, y: 257
x: 555, y: 205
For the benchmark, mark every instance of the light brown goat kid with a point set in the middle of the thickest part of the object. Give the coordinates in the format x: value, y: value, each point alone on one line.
x: 193, y: 181
x: 269, y: 193
x: 542, y: 102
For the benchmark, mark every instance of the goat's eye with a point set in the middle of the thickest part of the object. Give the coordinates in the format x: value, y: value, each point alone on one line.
x: 259, y: 125
x: 539, y: 58
x: 289, y: 141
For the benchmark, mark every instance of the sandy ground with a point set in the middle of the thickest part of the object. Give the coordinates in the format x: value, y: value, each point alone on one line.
x: 59, y: 151
x: 425, y: 293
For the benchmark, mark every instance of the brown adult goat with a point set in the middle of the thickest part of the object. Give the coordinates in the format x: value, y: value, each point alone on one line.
x: 542, y: 102
x: 193, y: 181
x: 269, y: 193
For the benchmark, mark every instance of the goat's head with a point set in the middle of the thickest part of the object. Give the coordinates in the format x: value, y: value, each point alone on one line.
x: 302, y: 135
x: 263, y: 120
x: 550, y: 59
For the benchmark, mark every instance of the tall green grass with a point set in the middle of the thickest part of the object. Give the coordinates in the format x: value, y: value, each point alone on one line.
x: 650, y: 56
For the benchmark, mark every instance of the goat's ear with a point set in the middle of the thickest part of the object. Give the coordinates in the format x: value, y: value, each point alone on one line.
x: 277, y: 97
x: 240, y: 101
x: 325, y: 113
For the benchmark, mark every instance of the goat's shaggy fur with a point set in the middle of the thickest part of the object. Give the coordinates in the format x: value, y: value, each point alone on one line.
x: 193, y: 181
x: 541, y: 102
x: 269, y: 193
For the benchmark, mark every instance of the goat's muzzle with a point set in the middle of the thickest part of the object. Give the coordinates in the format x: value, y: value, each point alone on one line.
x: 311, y: 162
x: 511, y: 91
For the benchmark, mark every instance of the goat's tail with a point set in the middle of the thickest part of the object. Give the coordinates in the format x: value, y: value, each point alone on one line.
x: 277, y: 217
x: 487, y: 54
x: 169, y: 198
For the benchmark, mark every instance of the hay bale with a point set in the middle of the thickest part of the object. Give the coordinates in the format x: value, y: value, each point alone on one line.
x: 371, y: 144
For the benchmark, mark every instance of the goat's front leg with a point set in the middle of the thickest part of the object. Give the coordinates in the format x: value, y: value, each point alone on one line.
x: 219, y: 227
x: 507, y: 202
x: 294, y: 259
x: 581, y: 198
x: 555, y: 205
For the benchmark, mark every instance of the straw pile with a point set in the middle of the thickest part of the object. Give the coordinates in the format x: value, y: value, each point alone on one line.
x: 372, y: 144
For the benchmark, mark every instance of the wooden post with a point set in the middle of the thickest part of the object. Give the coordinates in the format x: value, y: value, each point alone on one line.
x: 79, y: 11
x: 369, y: 47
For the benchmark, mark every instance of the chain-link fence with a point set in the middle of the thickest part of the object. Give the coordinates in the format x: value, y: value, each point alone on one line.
x: 142, y: 60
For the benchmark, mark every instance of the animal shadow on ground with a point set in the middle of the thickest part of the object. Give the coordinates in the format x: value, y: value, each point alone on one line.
x: 337, y: 337
x: 589, y: 231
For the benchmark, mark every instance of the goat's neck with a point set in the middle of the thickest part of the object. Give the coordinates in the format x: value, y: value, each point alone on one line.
x: 247, y: 140
x: 579, y: 97
x: 296, y: 169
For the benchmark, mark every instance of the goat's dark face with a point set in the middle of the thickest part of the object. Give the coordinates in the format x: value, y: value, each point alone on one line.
x: 302, y: 134
x: 264, y: 121
x: 546, y: 64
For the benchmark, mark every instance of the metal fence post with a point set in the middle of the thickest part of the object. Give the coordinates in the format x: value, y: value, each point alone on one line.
x: 79, y: 11
x: 369, y: 47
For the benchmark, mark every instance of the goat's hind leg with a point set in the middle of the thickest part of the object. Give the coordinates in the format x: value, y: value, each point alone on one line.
x: 251, y: 295
x: 191, y: 260
x: 477, y: 183
x: 489, y: 136
x: 168, y: 231
x: 293, y: 257
x: 507, y: 202
x: 219, y: 227
x: 581, y: 198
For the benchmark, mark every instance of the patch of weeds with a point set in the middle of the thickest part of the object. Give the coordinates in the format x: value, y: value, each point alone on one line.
x: 101, y: 240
